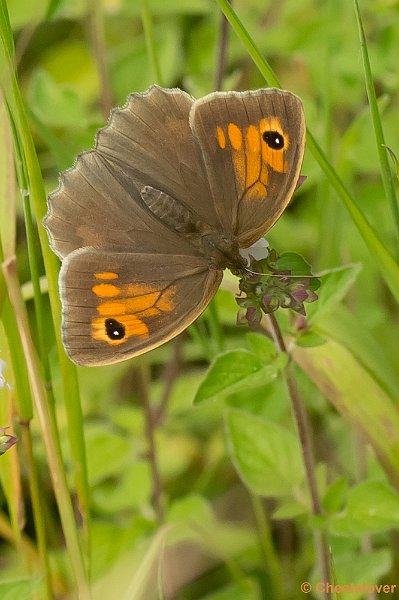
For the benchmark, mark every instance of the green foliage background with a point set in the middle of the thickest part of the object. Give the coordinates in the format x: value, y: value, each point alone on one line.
x: 232, y: 518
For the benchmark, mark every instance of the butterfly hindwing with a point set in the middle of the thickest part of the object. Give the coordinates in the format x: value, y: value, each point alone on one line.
x: 119, y: 305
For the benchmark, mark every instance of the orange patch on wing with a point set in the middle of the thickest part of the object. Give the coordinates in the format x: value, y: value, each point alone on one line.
x: 105, y: 290
x: 106, y: 275
x: 221, y: 138
x: 132, y: 324
x: 252, y: 154
x: 235, y: 136
x: 256, y: 192
x: 136, y: 301
x: 274, y: 158
x: 137, y: 289
x: 124, y: 306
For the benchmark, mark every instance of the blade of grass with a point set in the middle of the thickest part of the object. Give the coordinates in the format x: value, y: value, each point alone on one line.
x: 150, y: 41
x: 388, y: 266
x: 49, y: 431
x: 98, y: 45
x: 38, y: 196
x: 386, y: 174
x: 22, y: 401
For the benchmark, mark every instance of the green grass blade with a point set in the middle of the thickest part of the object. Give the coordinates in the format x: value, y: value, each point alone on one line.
x: 387, y: 178
x: 39, y: 202
x: 388, y: 266
x: 150, y: 41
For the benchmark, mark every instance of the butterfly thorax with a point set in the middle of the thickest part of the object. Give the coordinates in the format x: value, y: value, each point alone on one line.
x: 220, y: 251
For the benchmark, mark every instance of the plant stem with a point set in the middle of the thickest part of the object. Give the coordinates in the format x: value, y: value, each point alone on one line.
x: 221, y: 52
x: 157, y: 495
x: 148, y: 27
x: 303, y: 429
x: 267, y: 548
x: 98, y: 45
x: 169, y: 377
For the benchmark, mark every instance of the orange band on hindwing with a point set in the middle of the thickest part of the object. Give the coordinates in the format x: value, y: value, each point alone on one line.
x: 125, y: 310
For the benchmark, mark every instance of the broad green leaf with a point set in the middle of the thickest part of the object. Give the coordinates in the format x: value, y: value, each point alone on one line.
x: 289, y: 509
x: 291, y: 261
x: 234, y: 371
x: 357, y: 396
x: 19, y: 589
x: 351, y: 331
x: 133, y: 489
x: 266, y: 455
x: 261, y: 345
x: 334, y: 287
x: 107, y: 452
x: 372, y: 506
x: 357, y: 571
x: 55, y: 105
x: 309, y: 339
x: 335, y: 495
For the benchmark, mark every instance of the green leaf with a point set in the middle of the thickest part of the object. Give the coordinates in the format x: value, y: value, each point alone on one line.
x: 233, y: 371
x: 334, y: 287
x: 360, y: 570
x: 291, y: 261
x: 335, y: 495
x: 266, y: 456
x: 372, y: 506
x: 19, y: 589
x: 309, y: 339
x: 289, y: 509
x: 262, y: 346
x: 133, y: 489
x: 357, y: 396
x: 55, y: 105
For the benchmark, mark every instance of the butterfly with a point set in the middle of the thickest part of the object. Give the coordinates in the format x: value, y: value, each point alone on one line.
x: 145, y: 223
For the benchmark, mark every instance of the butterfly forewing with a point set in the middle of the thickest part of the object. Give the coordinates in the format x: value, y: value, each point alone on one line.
x: 252, y: 144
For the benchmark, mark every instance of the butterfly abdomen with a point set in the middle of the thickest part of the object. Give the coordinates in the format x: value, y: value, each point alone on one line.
x: 169, y: 210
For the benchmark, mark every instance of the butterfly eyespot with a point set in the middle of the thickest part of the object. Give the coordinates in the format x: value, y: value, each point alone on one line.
x: 274, y: 139
x: 115, y: 330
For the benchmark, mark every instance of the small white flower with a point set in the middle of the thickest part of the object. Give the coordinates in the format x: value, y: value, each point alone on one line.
x: 3, y: 382
x: 258, y: 250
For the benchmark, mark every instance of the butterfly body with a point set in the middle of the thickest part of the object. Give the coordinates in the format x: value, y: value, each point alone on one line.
x: 219, y: 251
x: 146, y: 222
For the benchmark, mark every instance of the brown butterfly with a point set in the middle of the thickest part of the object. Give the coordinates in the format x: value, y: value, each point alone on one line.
x: 146, y: 222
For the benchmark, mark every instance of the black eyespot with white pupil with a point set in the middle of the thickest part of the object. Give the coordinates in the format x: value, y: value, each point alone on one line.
x: 115, y: 330
x: 274, y: 140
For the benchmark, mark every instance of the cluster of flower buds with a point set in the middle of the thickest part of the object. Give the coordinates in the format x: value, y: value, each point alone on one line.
x: 275, y: 282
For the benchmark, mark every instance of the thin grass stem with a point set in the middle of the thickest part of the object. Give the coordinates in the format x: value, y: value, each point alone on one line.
x: 49, y: 431
x: 386, y: 174
x: 148, y: 28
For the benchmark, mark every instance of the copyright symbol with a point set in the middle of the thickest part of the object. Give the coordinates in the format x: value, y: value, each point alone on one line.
x: 306, y: 587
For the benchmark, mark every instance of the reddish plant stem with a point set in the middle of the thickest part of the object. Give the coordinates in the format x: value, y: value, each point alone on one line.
x: 304, y: 434
x: 157, y: 492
